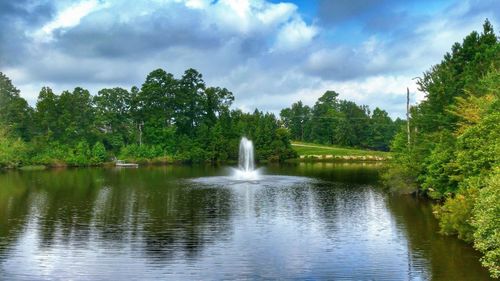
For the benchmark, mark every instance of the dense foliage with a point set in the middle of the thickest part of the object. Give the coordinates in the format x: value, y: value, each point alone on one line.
x: 167, y: 119
x: 486, y: 219
x: 340, y: 122
x: 12, y: 151
x: 455, y: 149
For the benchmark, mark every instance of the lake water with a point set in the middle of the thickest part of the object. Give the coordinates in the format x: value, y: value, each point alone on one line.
x: 304, y: 221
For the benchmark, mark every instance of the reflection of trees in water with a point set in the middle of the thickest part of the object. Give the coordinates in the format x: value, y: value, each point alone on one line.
x: 345, y: 172
x: 186, y: 221
x: 112, y: 209
x: 333, y: 202
x: 66, y: 212
x: 14, y: 210
x: 446, y: 258
x: 151, y: 212
x: 343, y: 211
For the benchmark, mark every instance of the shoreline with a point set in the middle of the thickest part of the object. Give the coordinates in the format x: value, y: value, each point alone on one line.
x: 150, y: 163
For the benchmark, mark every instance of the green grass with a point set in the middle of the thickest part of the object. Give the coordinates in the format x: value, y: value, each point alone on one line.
x: 306, y: 149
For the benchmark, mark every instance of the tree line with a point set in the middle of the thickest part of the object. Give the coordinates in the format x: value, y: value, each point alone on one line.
x: 340, y: 122
x: 171, y: 119
x: 454, y: 153
x: 167, y: 119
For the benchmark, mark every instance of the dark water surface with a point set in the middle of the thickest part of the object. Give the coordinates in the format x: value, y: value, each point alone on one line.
x: 307, y: 221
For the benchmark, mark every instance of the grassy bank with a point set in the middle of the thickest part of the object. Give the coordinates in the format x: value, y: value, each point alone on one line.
x: 311, y: 150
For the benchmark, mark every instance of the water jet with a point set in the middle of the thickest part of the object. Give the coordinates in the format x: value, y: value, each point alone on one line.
x: 246, y: 162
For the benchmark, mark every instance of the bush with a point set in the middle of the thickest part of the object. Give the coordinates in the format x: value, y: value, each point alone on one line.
x: 486, y: 219
x: 141, y: 152
x: 12, y: 151
x: 437, y: 180
x: 455, y: 215
x: 478, y: 148
x: 50, y: 154
x: 81, y: 155
x: 98, y: 153
x: 56, y: 154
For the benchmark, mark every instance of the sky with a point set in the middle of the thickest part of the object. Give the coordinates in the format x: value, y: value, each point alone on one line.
x: 269, y: 53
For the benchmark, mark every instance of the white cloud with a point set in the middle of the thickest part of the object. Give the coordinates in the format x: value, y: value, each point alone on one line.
x: 197, y: 4
x: 68, y: 17
x: 295, y: 34
x: 240, y: 7
x: 276, y: 13
x: 266, y: 53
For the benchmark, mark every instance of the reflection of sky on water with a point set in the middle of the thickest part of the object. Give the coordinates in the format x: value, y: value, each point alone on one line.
x: 150, y: 224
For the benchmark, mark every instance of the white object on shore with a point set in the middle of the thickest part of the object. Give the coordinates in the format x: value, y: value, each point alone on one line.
x: 121, y: 163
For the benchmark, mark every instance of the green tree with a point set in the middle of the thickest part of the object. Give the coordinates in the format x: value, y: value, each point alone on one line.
x: 77, y: 117
x: 353, y: 125
x: 154, y: 106
x: 12, y: 151
x: 454, y: 146
x: 113, y: 117
x: 15, y: 112
x: 98, y: 153
x: 486, y: 220
x: 218, y: 100
x: 382, y: 130
x: 190, y: 101
x: 296, y: 119
x: 325, y: 118
x: 47, y: 114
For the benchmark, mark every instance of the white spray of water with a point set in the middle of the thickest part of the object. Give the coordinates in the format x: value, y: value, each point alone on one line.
x: 245, y: 157
x: 246, y: 163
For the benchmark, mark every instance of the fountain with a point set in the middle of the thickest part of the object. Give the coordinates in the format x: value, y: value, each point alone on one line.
x: 246, y: 175
x: 246, y: 166
x: 245, y: 157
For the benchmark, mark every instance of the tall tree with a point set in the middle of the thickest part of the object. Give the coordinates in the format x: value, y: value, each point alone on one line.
x: 353, y: 125
x: 325, y: 118
x: 77, y: 116
x: 218, y: 100
x: 190, y: 101
x: 15, y: 113
x: 113, y: 118
x: 47, y: 114
x: 296, y: 118
x: 154, y: 106
x: 382, y: 129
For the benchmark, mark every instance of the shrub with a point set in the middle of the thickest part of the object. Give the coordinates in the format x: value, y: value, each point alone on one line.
x: 12, y: 151
x: 143, y: 152
x: 455, y: 214
x: 439, y: 168
x: 50, y: 153
x: 486, y: 219
x: 98, y: 153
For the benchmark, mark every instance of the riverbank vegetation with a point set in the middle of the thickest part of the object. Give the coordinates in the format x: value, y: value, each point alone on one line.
x: 454, y: 150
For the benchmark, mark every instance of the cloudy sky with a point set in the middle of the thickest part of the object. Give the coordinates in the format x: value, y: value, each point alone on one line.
x: 269, y: 53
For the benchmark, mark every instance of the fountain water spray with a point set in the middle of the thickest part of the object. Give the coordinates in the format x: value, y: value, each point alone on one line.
x: 245, y: 157
x: 246, y: 175
x: 246, y: 166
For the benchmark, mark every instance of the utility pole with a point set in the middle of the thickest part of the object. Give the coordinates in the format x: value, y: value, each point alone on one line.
x: 140, y: 132
x: 408, y: 114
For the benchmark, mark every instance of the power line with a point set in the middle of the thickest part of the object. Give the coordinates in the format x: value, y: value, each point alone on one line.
x: 329, y: 117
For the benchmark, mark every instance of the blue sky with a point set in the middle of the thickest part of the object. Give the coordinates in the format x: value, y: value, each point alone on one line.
x: 269, y: 53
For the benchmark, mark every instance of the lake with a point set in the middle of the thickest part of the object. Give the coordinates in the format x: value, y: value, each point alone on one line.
x: 298, y: 221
